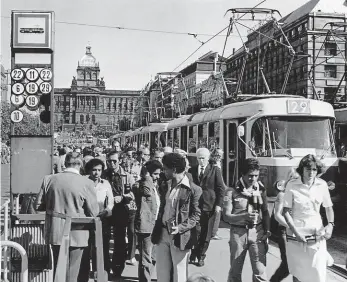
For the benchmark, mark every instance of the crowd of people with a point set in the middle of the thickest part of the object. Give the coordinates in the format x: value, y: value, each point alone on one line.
x: 158, y: 203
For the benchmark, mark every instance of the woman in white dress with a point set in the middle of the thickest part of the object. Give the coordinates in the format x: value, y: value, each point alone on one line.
x: 306, y: 236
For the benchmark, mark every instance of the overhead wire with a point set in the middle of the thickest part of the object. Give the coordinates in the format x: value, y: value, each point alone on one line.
x: 133, y: 29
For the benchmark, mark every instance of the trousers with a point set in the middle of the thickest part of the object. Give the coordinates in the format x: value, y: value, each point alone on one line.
x: 203, y: 234
x: 171, y: 260
x: 147, y: 260
x: 121, y: 221
x: 241, y: 241
x: 73, y: 262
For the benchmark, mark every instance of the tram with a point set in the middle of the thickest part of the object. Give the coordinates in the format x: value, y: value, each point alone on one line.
x: 152, y: 136
x: 341, y: 183
x: 341, y: 131
x: 277, y: 129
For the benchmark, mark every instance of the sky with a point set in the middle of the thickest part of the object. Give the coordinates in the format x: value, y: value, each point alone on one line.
x: 129, y: 59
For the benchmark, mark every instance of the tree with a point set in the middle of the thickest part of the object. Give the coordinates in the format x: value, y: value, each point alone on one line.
x: 30, y: 125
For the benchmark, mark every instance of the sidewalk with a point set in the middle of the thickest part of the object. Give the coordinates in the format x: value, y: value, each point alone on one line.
x: 217, y: 263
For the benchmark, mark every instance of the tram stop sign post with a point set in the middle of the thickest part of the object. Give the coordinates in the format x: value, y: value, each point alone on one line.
x: 32, y: 91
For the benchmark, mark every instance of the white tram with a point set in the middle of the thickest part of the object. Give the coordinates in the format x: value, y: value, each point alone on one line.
x: 153, y: 136
x: 341, y: 129
x: 277, y: 129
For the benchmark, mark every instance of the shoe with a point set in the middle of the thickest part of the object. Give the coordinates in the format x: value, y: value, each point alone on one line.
x: 201, y: 263
x: 216, y: 237
x: 131, y: 261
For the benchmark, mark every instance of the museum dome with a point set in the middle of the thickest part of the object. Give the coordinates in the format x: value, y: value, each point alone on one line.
x: 88, y: 60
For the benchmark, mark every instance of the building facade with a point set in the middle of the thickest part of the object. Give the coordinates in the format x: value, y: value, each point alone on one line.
x: 172, y: 94
x: 318, y: 64
x: 87, y: 102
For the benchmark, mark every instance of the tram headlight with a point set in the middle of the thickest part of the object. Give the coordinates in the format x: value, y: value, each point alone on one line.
x: 280, y: 185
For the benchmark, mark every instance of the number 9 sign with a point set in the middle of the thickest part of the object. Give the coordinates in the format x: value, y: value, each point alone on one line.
x: 45, y: 88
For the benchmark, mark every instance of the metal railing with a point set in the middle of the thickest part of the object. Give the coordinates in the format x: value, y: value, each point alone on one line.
x: 21, y: 250
x: 5, y: 233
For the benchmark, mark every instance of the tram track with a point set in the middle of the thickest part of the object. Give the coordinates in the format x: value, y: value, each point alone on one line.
x: 338, y: 270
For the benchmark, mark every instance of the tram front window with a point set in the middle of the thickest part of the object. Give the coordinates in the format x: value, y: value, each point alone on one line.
x: 275, y: 135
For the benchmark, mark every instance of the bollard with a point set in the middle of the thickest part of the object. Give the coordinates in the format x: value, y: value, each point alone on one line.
x: 20, y: 249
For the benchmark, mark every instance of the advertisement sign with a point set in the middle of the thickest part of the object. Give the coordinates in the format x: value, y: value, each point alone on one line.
x: 32, y: 29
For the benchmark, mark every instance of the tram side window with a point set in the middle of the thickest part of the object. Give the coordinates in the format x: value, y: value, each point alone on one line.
x: 184, y: 138
x: 213, y: 135
x: 202, y: 135
x: 162, y: 139
x: 176, y: 139
x: 169, y: 138
x: 154, y: 140
x: 192, y: 139
x: 260, y: 141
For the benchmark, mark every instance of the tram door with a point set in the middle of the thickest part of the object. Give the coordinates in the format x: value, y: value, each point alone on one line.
x: 231, y: 153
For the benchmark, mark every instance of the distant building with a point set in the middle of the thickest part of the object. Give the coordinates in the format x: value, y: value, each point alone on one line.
x: 4, y: 86
x: 319, y: 59
x: 88, y: 102
x: 177, y: 93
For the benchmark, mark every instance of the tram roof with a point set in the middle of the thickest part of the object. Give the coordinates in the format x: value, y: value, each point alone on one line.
x: 272, y: 106
x: 341, y: 115
x: 155, y: 127
x: 129, y: 133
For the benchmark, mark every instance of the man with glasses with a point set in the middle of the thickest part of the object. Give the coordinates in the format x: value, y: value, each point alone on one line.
x: 122, y: 217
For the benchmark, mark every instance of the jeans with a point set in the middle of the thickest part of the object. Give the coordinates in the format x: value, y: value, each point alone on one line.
x: 202, y: 230
x: 241, y: 241
x: 171, y: 260
x: 282, y: 271
x: 121, y: 221
x: 146, y: 263
x: 73, y: 262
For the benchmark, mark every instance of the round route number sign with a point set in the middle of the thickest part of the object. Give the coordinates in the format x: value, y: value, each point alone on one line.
x: 32, y: 74
x: 32, y: 101
x: 17, y: 74
x: 17, y: 88
x: 16, y: 116
x: 45, y: 88
x: 17, y: 100
x: 31, y: 88
x: 46, y: 74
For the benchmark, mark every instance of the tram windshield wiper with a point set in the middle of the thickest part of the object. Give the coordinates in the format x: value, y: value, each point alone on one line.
x: 289, y: 155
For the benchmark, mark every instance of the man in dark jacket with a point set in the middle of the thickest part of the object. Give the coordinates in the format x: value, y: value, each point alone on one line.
x: 209, y: 178
x: 122, y: 212
x: 174, y: 231
x: 147, y: 202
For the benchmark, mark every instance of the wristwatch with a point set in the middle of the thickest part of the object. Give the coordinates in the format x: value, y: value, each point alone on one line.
x: 268, y: 233
x: 332, y: 223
